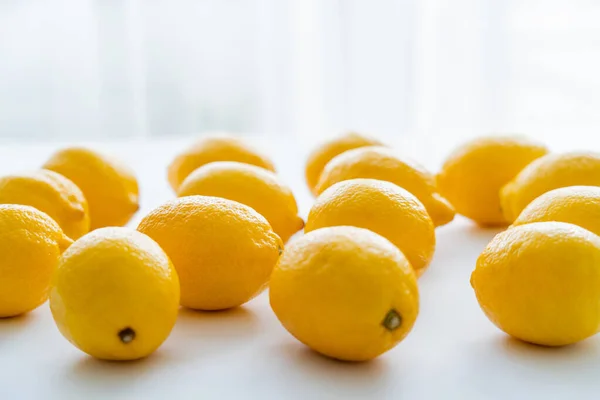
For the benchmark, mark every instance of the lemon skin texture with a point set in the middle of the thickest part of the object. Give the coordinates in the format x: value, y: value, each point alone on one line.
x: 345, y: 292
x: 546, y: 173
x: 321, y: 155
x: 472, y: 176
x: 223, y: 251
x: 109, y: 186
x: 115, y: 294
x: 30, y: 247
x: 376, y: 162
x: 250, y: 185
x: 540, y: 283
x: 210, y: 149
x: 382, y: 207
x: 51, y: 193
x: 579, y: 205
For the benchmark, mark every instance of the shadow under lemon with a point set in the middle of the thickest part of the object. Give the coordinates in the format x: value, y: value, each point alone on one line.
x: 342, y: 377
x: 12, y: 327
x: 98, y: 376
x: 567, y: 361
x: 546, y: 357
x: 206, y: 325
x: 204, y: 334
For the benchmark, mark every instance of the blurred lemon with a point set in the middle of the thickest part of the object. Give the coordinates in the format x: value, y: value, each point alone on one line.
x: 250, y: 185
x: 382, y: 163
x: 472, y: 176
x: 540, y: 283
x: 210, y: 149
x: 224, y: 251
x: 115, y: 294
x: 549, y: 172
x: 51, y: 193
x: 579, y: 205
x: 30, y: 245
x: 345, y: 292
x: 326, y: 151
x: 382, y: 207
x: 109, y: 186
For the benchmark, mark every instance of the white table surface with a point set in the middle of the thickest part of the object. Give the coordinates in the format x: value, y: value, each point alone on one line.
x: 453, y: 352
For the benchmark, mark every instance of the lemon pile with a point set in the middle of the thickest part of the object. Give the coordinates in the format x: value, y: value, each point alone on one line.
x: 538, y: 281
x: 115, y: 292
x: 348, y: 288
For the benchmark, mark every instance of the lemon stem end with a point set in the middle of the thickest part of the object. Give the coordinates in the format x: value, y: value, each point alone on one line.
x: 127, y: 335
x: 392, y: 320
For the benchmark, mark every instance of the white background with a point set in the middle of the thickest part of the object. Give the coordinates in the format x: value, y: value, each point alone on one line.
x: 106, y: 69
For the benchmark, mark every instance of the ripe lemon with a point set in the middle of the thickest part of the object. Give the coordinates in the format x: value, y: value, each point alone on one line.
x: 540, y: 283
x: 579, y: 205
x: 51, y: 193
x: 382, y: 207
x: 250, y: 185
x: 549, y: 172
x: 109, y: 186
x: 115, y: 294
x: 223, y: 251
x: 377, y: 162
x: 326, y: 151
x: 210, y: 149
x: 30, y: 245
x: 345, y: 292
x: 472, y: 176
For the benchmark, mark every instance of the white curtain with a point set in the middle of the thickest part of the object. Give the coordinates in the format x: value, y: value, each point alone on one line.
x: 137, y: 68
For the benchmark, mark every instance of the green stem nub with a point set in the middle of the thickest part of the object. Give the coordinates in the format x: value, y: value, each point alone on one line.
x: 392, y: 320
x: 127, y: 335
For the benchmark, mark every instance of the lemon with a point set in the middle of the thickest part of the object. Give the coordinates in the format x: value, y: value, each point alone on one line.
x: 378, y: 162
x: 579, y: 205
x: 30, y: 246
x: 115, y: 294
x: 472, y: 176
x: 51, y: 193
x: 549, y: 172
x: 224, y: 251
x: 382, y: 207
x: 540, y: 283
x: 250, y: 185
x: 326, y: 151
x: 345, y: 292
x: 109, y: 186
x: 214, y: 148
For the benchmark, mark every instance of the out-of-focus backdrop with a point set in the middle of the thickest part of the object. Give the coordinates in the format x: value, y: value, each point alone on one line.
x: 107, y: 69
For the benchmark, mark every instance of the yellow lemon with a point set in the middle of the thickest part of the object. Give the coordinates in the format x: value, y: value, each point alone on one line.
x: 224, y: 251
x: 345, y: 292
x: 30, y: 246
x: 250, y: 185
x: 382, y: 207
x: 326, y: 151
x: 51, y: 193
x: 579, y: 205
x: 115, y: 294
x: 377, y: 162
x: 109, y: 186
x: 472, y: 176
x: 210, y: 149
x: 549, y: 172
x: 540, y: 283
